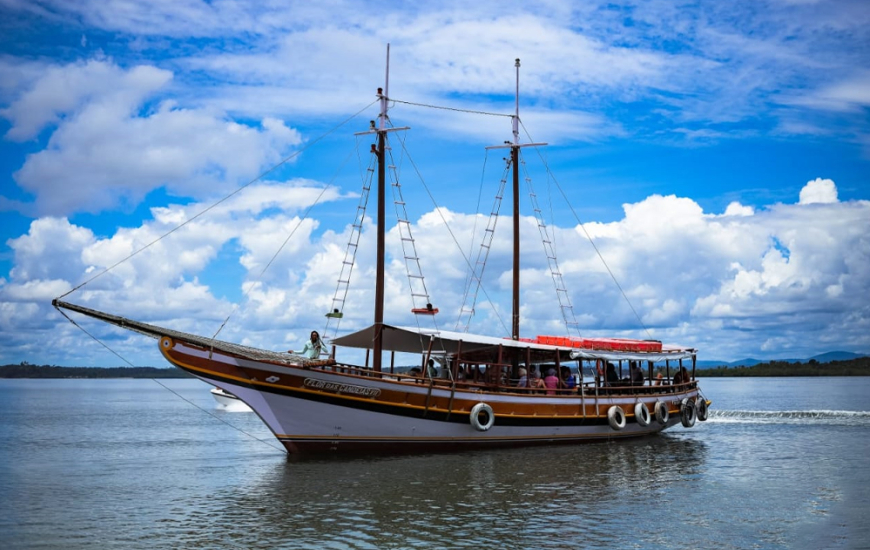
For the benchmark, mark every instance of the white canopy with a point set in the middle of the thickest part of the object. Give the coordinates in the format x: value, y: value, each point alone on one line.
x: 416, y: 340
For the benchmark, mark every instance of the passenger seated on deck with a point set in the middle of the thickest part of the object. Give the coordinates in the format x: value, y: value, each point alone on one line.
x: 523, y: 381
x: 636, y: 374
x: 432, y: 369
x: 312, y: 348
x: 659, y: 377
x: 535, y: 382
x: 414, y: 371
x: 568, y: 381
x: 682, y: 376
x: 551, y: 382
x: 611, y: 378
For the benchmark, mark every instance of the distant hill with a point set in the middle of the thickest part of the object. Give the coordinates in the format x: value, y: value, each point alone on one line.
x: 837, y: 356
x: 26, y: 370
x: 750, y: 362
x: 859, y: 366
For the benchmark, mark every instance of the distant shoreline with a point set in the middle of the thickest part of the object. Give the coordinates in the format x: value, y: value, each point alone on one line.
x: 26, y: 370
x: 852, y: 367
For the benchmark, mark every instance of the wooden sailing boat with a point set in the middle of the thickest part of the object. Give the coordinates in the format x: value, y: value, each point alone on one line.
x: 481, y: 397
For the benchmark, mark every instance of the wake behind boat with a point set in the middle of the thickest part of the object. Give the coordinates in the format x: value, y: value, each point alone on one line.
x: 470, y: 391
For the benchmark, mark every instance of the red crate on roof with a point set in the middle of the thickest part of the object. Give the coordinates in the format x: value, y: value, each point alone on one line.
x: 603, y: 344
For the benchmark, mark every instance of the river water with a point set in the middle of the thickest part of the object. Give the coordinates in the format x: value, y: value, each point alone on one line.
x: 782, y: 463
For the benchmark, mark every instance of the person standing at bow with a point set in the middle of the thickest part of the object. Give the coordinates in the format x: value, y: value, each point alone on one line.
x: 312, y: 348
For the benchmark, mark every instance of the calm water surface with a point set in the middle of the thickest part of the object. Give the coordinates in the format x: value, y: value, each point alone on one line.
x: 782, y: 463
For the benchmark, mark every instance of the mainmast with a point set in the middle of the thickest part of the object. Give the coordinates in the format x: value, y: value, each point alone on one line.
x: 381, y: 148
x: 515, y: 158
x: 379, y: 276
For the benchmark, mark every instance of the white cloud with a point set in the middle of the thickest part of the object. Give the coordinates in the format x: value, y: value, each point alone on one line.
x: 107, y: 152
x: 789, y: 276
x: 736, y: 209
x: 819, y: 191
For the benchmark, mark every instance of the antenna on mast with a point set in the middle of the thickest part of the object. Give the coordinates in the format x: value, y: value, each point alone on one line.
x: 516, y: 117
x: 382, y: 118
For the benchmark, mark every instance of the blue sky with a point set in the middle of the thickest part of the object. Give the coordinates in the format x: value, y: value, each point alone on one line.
x: 718, y: 155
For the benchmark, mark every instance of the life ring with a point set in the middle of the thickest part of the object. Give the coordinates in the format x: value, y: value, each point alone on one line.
x: 662, y: 413
x: 701, y: 405
x: 476, y: 411
x: 641, y: 415
x: 616, y: 417
x: 688, y: 413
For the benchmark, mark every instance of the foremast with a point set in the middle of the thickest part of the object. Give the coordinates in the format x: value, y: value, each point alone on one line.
x: 381, y: 130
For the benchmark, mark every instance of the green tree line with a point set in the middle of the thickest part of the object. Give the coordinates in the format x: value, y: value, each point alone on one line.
x: 853, y: 367
x: 27, y: 370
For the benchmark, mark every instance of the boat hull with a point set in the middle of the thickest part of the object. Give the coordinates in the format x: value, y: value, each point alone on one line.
x: 322, y: 410
x: 228, y: 400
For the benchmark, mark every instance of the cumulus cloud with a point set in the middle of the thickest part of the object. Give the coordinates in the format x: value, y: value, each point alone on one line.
x: 111, y: 148
x: 819, y: 191
x: 798, y: 270
x: 704, y: 66
x: 156, y: 275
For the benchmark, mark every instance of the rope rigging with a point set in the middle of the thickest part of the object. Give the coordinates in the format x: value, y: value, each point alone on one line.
x: 413, y: 269
x: 282, y: 162
x: 588, y: 236
x: 475, y: 277
x: 468, y: 264
x: 124, y: 359
x: 443, y: 108
x: 412, y: 262
x: 549, y: 243
x: 339, y: 299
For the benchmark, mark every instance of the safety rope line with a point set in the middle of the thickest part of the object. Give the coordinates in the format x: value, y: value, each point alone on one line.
x: 252, y: 436
x: 261, y: 176
x: 97, y: 340
x: 588, y: 236
x: 124, y: 359
x: 455, y: 109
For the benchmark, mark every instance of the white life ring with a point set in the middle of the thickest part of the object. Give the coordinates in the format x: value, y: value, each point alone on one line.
x: 688, y: 413
x: 662, y: 413
x: 701, y: 405
x: 641, y: 415
x: 476, y: 411
x: 616, y: 417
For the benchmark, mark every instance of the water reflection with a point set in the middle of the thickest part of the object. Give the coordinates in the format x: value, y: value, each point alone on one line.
x: 546, y: 497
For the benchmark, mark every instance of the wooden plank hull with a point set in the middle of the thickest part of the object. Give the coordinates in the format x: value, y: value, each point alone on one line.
x: 326, y: 410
